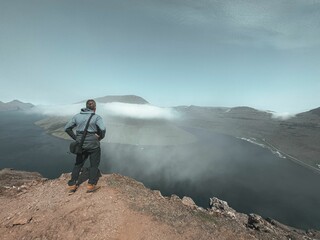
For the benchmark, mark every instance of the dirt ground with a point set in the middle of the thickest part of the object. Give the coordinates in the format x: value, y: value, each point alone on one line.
x: 36, y: 208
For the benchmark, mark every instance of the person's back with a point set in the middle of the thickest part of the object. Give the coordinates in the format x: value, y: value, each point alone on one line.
x: 91, y: 145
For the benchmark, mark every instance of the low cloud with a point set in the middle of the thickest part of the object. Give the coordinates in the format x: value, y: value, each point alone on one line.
x: 282, y: 115
x: 138, y: 111
x: 57, y: 110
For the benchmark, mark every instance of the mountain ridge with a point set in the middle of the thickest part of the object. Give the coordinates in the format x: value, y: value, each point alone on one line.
x: 315, y: 111
x: 133, y: 99
x: 15, y: 105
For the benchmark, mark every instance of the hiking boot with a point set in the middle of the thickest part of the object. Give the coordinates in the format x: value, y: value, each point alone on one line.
x: 92, y: 188
x: 72, y: 189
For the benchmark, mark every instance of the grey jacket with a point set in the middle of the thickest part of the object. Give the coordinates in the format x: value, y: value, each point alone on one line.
x: 96, y: 126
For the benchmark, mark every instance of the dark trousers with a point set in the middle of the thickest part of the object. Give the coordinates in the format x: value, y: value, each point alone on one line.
x: 94, y: 173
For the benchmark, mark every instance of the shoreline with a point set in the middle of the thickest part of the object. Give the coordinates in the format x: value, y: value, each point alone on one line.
x: 279, y: 152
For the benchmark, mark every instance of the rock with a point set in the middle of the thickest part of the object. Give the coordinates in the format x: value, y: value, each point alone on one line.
x: 65, y: 176
x: 175, y: 197
x: 315, y: 234
x: 158, y: 194
x: 217, y: 204
x: 13, y: 182
x: 221, y: 207
x: 21, y: 221
x: 256, y: 222
x: 14, y: 178
x: 189, y: 202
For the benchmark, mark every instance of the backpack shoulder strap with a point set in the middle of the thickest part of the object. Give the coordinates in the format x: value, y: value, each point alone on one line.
x: 85, y: 130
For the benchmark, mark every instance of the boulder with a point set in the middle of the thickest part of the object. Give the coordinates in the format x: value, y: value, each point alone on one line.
x: 189, y: 202
x: 256, y: 222
x: 221, y: 207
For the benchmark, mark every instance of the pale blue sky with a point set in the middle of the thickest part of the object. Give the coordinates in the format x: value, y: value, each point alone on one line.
x: 263, y: 54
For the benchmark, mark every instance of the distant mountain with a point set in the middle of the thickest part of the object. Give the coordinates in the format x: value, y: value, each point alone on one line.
x: 316, y: 111
x: 296, y: 138
x: 223, y: 112
x: 123, y: 99
x: 15, y: 105
x: 312, y: 113
x: 248, y: 113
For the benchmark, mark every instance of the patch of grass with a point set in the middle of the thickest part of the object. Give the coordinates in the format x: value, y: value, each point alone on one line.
x: 204, y: 216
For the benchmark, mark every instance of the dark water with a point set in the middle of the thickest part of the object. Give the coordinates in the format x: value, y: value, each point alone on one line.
x: 248, y: 177
x: 25, y: 146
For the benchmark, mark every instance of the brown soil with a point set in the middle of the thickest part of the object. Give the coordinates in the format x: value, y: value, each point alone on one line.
x: 121, y: 209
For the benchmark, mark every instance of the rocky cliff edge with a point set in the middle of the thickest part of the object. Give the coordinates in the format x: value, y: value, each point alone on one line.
x: 32, y: 207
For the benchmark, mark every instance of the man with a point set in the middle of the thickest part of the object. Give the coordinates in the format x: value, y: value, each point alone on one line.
x: 91, y: 146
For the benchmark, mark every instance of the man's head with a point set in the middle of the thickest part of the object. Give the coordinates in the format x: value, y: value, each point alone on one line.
x: 91, y: 104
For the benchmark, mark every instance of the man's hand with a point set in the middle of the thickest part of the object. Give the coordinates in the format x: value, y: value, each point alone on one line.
x: 97, y: 136
x: 71, y: 133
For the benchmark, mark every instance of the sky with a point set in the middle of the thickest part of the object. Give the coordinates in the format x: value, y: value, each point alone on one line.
x: 262, y: 54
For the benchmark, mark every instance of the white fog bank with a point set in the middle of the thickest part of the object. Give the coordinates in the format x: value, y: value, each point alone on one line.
x: 139, y: 111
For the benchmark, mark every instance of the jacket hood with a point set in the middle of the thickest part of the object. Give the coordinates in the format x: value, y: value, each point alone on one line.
x: 86, y: 111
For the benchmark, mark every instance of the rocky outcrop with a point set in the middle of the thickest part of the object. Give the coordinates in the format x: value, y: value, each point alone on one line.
x: 121, y: 209
x: 15, y: 182
x: 258, y: 223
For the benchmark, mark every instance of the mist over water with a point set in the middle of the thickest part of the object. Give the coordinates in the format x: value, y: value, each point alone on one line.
x: 248, y: 177
x: 129, y: 110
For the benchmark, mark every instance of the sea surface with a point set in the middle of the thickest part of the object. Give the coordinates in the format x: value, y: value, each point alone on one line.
x: 250, y: 178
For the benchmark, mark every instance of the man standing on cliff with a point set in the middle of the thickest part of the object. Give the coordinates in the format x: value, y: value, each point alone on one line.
x: 91, y: 146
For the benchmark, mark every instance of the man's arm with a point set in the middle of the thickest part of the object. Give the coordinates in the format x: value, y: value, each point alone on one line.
x: 68, y: 128
x: 101, y: 128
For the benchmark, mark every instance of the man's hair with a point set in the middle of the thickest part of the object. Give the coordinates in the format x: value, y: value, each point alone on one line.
x: 91, y: 104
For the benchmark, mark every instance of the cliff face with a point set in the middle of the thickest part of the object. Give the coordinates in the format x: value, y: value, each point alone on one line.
x: 35, y: 208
